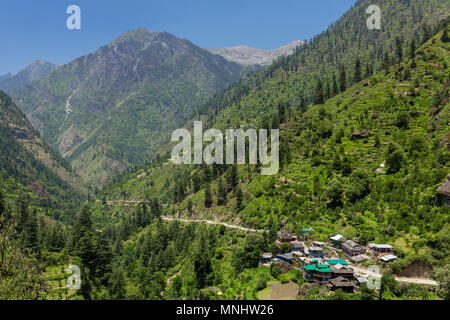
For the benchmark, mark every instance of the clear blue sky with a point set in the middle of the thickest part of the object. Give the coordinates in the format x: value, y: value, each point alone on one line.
x: 36, y: 29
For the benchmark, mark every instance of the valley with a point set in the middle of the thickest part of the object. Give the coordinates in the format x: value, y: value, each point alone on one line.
x: 88, y: 177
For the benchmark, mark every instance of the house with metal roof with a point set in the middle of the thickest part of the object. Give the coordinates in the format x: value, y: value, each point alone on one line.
x: 351, y: 248
x: 381, y: 248
x: 388, y: 258
x: 320, y: 273
x: 360, y: 280
x: 333, y: 262
x: 287, y: 257
x: 285, y: 237
x: 298, y: 246
x: 342, y: 283
x: 337, y: 240
x: 342, y: 271
x: 316, y: 252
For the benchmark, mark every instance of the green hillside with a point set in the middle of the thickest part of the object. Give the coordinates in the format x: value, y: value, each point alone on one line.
x: 365, y: 143
x: 113, y: 108
x: 30, y: 169
x: 332, y: 178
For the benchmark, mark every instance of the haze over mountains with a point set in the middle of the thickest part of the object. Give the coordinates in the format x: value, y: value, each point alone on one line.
x: 112, y: 108
x: 250, y: 56
x: 35, y: 70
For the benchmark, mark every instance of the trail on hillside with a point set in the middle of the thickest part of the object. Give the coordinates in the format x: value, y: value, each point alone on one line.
x: 214, y: 222
x: 189, y: 220
x: 358, y: 270
x: 365, y: 272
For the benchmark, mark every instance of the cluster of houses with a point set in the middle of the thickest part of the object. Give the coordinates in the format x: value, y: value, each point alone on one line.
x: 312, y: 259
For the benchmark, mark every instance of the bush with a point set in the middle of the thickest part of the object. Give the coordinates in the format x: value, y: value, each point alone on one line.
x: 402, y: 120
x: 395, y: 157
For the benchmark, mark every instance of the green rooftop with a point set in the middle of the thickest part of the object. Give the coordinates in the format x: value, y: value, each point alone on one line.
x: 337, y: 261
x: 317, y: 267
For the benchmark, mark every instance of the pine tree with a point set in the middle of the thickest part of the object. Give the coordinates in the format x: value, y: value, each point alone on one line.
x: 335, y: 89
x: 30, y: 233
x: 208, y: 198
x: 412, y: 49
x: 342, y: 80
x: 358, y: 76
x: 202, y: 262
x: 282, y: 112
x: 398, y: 49
x: 239, y: 199
x: 368, y: 71
x: 445, y: 38
x: 222, y: 193
x: 117, y: 284
x: 319, y: 96
x: 233, y: 176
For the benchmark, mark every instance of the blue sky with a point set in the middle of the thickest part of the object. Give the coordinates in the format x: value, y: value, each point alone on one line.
x: 36, y: 29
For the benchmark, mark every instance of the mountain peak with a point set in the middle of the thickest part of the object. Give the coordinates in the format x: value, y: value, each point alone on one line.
x: 33, y: 71
x: 140, y: 35
x: 249, y: 56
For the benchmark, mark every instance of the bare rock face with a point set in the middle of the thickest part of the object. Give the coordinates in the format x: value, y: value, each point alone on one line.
x: 248, y: 56
x: 69, y: 140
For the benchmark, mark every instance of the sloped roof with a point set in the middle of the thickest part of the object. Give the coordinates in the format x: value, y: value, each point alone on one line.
x: 381, y: 246
x: 388, y: 257
x: 341, y: 282
x: 337, y: 237
x: 337, y: 261
x: 317, y: 267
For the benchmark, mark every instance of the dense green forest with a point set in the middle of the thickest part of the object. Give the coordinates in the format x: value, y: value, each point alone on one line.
x: 363, y: 118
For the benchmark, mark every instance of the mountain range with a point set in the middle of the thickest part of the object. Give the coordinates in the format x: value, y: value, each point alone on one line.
x: 251, y: 56
x: 35, y: 70
x: 364, y: 146
x: 113, y: 108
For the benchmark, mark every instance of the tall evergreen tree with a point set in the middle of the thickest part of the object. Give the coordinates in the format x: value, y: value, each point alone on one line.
x: 239, y: 199
x: 208, y: 197
x: 222, y: 193
x: 282, y: 112
x: 358, y: 76
x: 412, y: 49
x: 117, y: 284
x: 319, y: 95
x: 398, y: 49
x: 30, y: 232
x: 233, y: 176
x: 335, y: 89
x: 342, y: 80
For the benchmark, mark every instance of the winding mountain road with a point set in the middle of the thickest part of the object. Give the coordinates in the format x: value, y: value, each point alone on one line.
x: 357, y: 270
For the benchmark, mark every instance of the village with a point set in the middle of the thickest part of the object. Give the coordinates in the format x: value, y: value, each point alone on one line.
x: 333, y: 264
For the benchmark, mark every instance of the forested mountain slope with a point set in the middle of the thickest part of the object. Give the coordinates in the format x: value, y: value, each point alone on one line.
x: 366, y: 163
x: 330, y: 55
x: 30, y: 170
x: 114, y: 108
